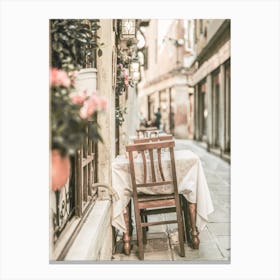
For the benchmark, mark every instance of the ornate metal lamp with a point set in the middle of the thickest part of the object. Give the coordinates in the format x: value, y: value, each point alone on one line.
x: 128, y: 29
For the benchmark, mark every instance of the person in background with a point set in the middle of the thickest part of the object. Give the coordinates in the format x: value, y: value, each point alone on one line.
x: 158, y: 118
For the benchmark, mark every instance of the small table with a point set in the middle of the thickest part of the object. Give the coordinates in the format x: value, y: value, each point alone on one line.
x: 147, y: 132
x: 191, y: 184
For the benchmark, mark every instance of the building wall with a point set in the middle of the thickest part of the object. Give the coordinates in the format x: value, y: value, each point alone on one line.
x: 164, y: 84
x: 106, y: 150
x: 94, y: 239
x: 161, y: 51
x: 212, y: 86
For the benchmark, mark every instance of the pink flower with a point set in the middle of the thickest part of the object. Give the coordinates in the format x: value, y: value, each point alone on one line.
x: 89, y: 107
x: 126, y: 79
x: 98, y: 102
x: 59, y: 78
x: 83, y: 112
x: 92, y: 104
x: 73, y: 74
x: 78, y: 98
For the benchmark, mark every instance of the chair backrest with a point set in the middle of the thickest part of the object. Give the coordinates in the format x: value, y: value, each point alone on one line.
x: 165, y: 137
x: 153, y: 149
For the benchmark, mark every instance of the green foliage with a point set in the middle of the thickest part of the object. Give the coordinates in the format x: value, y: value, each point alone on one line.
x: 123, y: 62
x: 73, y: 43
x: 68, y: 129
x: 120, y: 112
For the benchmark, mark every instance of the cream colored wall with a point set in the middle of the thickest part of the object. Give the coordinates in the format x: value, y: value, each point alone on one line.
x: 212, y: 63
x: 158, y: 78
x: 166, y: 51
x: 200, y: 38
x: 106, y: 150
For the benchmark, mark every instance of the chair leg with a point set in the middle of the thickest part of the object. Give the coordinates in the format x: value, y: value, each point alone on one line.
x: 139, y: 234
x: 144, y: 229
x: 130, y: 220
x: 180, y: 226
x: 181, y: 237
x: 126, y: 235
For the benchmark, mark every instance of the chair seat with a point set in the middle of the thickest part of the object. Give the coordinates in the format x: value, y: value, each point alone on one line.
x: 150, y: 197
x: 148, y: 201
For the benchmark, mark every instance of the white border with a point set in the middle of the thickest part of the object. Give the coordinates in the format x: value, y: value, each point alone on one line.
x: 255, y: 138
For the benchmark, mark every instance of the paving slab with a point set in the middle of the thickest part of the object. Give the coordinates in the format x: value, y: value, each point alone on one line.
x: 156, y: 249
x: 224, y: 245
x: 207, y: 251
x: 219, y: 229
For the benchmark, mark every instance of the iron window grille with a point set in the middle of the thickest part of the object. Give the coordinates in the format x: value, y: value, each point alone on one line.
x: 77, y: 195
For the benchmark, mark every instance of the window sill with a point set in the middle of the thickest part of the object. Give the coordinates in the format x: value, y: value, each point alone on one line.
x: 94, y: 239
x: 65, y: 237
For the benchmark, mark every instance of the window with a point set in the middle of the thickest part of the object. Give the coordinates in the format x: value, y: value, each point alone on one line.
x: 74, y: 198
x: 227, y: 106
x: 86, y: 175
x: 216, y: 107
x: 203, y: 110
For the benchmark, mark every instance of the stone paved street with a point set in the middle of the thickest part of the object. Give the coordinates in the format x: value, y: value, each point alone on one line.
x: 214, y: 239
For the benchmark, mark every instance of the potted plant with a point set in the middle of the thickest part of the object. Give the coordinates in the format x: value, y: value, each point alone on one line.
x: 70, y: 113
x: 73, y: 45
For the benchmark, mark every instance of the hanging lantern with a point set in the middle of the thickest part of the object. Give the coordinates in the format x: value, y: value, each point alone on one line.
x: 128, y: 29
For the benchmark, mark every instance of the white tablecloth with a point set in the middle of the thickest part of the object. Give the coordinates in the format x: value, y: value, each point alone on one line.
x: 190, y: 177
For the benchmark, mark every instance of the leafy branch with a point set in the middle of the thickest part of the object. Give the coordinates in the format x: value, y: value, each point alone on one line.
x: 74, y: 43
x: 120, y: 112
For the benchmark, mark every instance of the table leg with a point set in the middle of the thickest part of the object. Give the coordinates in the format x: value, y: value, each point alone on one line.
x: 194, y: 231
x: 185, y: 208
x: 126, y: 235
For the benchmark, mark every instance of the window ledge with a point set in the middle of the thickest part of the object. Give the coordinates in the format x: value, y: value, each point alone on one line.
x: 95, y: 233
x: 65, y: 236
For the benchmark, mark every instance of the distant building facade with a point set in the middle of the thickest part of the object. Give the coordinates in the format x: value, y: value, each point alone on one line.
x: 165, y: 79
x: 186, y: 73
x: 211, y: 81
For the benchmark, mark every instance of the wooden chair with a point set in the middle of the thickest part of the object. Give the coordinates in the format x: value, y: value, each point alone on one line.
x: 146, y: 203
x: 145, y: 131
x: 184, y: 202
x: 147, y: 140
